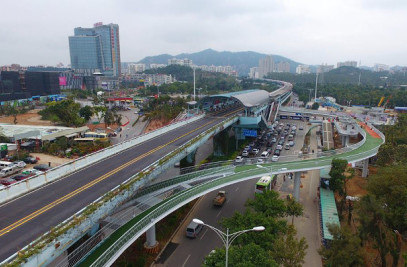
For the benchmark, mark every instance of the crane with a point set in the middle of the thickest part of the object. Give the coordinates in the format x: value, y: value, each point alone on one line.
x: 381, y: 101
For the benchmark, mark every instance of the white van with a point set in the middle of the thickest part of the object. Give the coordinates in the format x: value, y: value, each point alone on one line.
x: 193, y: 229
x: 5, y: 164
x: 9, y: 171
x: 290, y: 137
x: 265, y: 154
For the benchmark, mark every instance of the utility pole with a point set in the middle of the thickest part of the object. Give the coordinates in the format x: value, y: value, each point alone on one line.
x: 316, y: 87
x: 194, y: 83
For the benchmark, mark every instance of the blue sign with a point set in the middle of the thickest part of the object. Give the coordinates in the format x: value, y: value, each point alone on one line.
x: 251, y: 133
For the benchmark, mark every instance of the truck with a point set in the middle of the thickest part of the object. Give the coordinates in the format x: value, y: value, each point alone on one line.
x: 220, y: 199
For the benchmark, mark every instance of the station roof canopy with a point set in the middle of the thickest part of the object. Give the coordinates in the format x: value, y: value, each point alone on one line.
x: 249, y: 98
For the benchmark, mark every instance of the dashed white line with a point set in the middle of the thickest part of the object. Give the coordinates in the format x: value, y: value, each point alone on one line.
x: 218, y: 213
x: 185, y: 262
x: 203, y: 234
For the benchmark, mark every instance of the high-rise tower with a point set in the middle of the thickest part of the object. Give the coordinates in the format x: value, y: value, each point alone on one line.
x: 96, y: 49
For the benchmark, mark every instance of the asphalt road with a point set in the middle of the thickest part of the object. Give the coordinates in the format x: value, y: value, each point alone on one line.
x: 28, y: 217
x: 185, y: 252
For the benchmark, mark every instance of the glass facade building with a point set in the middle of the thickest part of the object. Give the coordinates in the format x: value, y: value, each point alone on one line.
x: 96, y: 49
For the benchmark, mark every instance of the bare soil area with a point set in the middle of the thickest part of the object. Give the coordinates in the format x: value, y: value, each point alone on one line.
x: 155, y: 124
x: 30, y: 118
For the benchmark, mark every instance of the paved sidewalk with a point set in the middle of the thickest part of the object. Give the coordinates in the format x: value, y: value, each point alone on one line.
x: 308, y: 225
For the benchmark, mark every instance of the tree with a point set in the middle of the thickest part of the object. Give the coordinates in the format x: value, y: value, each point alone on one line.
x: 294, y: 209
x: 344, y: 249
x: 337, y: 183
x: 109, y: 117
x: 11, y: 110
x: 269, y: 204
x: 65, y: 112
x: 315, y: 106
x: 99, y: 111
x: 251, y: 255
x: 288, y: 251
x: 250, y: 219
x: 86, y: 112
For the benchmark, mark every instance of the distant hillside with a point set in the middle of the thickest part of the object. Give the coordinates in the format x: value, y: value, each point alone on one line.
x: 240, y: 61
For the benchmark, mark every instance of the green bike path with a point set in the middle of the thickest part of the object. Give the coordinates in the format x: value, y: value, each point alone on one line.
x: 114, y: 242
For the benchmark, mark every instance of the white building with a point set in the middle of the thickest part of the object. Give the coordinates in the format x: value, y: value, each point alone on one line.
x: 156, y: 66
x: 134, y: 68
x: 254, y: 73
x: 381, y: 67
x: 301, y: 69
x: 266, y: 65
x: 182, y: 62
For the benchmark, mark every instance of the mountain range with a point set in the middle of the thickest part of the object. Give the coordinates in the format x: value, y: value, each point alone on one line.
x: 240, y: 61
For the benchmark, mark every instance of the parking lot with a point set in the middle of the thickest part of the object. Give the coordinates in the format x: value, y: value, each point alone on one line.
x: 275, y: 142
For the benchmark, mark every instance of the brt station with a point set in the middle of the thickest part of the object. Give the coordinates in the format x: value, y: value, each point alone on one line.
x: 257, y: 108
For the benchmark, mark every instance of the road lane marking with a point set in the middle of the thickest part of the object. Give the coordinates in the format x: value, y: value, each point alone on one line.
x: 218, y: 214
x: 237, y: 188
x: 203, y: 234
x: 92, y: 183
x: 185, y: 262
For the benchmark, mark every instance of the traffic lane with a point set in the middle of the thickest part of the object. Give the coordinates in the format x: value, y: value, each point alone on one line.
x: 72, y: 205
x: 28, y: 203
x: 192, y: 252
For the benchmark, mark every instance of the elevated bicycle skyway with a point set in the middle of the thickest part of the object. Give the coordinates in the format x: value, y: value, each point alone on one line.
x: 108, y: 251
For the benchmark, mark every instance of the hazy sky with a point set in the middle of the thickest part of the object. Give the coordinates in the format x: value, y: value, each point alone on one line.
x: 307, y: 31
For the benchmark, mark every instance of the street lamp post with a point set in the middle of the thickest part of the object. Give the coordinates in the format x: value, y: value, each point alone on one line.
x: 227, y: 238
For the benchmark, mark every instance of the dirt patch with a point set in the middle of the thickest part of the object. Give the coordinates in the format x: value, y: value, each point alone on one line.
x: 30, y: 118
x: 155, y: 124
x: 101, y: 127
x: 356, y: 186
x: 55, y: 161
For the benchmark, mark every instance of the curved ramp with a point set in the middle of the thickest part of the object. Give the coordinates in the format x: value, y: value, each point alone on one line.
x: 113, y: 246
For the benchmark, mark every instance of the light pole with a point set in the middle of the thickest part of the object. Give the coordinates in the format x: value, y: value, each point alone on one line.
x: 227, y: 238
x: 271, y: 168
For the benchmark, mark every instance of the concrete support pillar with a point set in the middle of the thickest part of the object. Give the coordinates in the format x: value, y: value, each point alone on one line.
x: 297, y: 183
x: 365, y: 168
x: 151, y: 245
x: 343, y: 141
x: 191, y: 157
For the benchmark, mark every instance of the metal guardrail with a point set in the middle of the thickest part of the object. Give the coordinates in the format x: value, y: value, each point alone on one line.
x: 53, y: 174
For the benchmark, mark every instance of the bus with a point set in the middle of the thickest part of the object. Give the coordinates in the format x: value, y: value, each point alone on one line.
x: 265, y: 183
x: 97, y: 136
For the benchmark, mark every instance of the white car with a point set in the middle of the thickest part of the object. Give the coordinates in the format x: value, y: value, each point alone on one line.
x: 245, y: 153
x: 279, y: 147
x: 291, y: 143
x: 239, y: 159
x: 255, y: 151
x: 301, y: 128
x: 20, y: 164
x: 260, y: 161
x: 274, y: 158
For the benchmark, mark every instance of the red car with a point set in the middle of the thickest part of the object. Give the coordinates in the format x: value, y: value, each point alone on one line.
x: 8, y: 181
x: 20, y: 177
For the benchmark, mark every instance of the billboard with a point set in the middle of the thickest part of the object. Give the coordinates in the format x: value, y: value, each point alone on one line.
x: 62, y: 81
x: 251, y: 133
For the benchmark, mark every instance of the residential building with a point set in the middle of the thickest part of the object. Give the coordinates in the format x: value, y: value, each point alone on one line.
x: 266, y: 65
x: 325, y: 68
x: 283, y: 66
x: 96, y: 49
x: 347, y: 64
x: 254, y: 73
x: 156, y: 66
x: 150, y: 79
x: 302, y: 69
x: 381, y: 67
x: 182, y: 62
x: 133, y: 68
